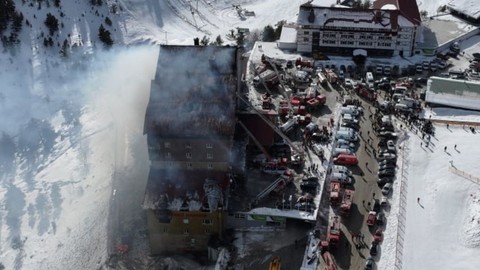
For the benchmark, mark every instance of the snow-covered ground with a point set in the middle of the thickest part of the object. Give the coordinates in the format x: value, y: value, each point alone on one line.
x: 69, y: 123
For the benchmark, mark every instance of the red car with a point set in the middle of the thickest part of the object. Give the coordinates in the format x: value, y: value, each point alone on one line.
x: 371, y: 218
x: 345, y: 159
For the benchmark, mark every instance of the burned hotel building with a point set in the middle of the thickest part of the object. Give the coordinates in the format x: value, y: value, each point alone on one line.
x: 190, y: 126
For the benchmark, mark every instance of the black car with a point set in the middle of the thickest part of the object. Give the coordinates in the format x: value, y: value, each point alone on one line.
x: 387, y: 162
x: 384, y: 180
x: 308, y: 185
x: 349, y: 125
x: 387, y: 135
x: 376, y: 205
x: 386, y: 167
x: 374, y: 248
x: 380, y: 218
x: 386, y: 173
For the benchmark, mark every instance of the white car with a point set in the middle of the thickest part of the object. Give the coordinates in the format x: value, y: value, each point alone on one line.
x: 386, y: 189
x: 349, y: 83
x: 391, y: 146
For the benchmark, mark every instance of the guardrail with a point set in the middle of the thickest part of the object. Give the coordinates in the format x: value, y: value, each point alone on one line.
x: 402, y: 212
x: 470, y: 177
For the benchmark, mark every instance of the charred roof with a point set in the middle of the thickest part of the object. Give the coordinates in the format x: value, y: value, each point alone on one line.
x: 193, y: 93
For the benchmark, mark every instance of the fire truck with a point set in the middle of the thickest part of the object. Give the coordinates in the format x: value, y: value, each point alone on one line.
x: 331, y: 76
x: 334, y: 193
x: 327, y: 257
x: 346, y: 204
x: 366, y: 93
x: 333, y: 234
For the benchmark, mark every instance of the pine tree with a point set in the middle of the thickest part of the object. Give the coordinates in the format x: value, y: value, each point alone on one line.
x: 268, y: 34
x: 52, y: 23
x: 105, y: 36
x: 219, y: 40
x: 205, y: 40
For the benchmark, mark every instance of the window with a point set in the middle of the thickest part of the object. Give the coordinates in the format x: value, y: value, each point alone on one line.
x: 209, y: 146
x: 306, y: 32
x: 188, y: 155
x: 166, y: 144
x: 209, y: 156
x: 168, y: 155
x: 186, y: 231
x: 207, y: 221
x: 188, y: 145
x: 210, y: 166
x: 190, y: 165
x: 165, y: 230
x: 241, y: 216
x: 207, y: 230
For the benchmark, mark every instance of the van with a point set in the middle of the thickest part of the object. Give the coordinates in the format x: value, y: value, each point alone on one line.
x: 349, y: 136
x: 347, y: 129
x: 402, y: 107
x: 341, y: 169
x: 369, y: 79
x: 345, y: 159
x: 349, y: 110
x: 289, y: 125
x: 341, y: 177
x: 348, y: 118
x: 338, y: 151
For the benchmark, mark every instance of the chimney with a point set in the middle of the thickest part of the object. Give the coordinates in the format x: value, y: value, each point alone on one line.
x: 196, y: 41
x: 311, y: 16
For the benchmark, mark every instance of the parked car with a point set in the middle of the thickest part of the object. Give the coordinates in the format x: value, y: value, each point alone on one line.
x: 374, y: 249
x: 349, y: 83
x: 386, y: 189
x: 369, y: 263
x: 378, y: 236
x: 384, y: 201
x: 387, y: 162
x: 376, y: 205
x: 379, y: 220
x: 371, y: 218
x: 386, y: 155
x: 388, y: 135
x: 386, y: 173
x: 384, y: 180
x: 347, y: 145
x: 349, y: 125
x: 391, y: 145
x: 344, y: 159
x: 307, y: 185
x: 386, y: 167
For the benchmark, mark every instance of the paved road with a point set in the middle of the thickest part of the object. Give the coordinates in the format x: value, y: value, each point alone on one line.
x: 347, y: 255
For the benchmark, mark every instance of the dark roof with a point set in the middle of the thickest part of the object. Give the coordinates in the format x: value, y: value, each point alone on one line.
x: 407, y: 8
x: 193, y: 93
x: 169, y: 188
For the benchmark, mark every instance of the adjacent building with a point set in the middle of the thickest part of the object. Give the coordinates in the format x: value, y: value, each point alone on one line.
x: 190, y: 124
x: 389, y: 28
x: 453, y: 93
x: 468, y: 10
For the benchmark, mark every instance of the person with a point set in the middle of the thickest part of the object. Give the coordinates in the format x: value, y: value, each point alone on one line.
x: 447, y: 126
x: 418, y: 199
x: 445, y: 148
x: 421, y: 144
x: 455, y: 146
x: 366, y: 164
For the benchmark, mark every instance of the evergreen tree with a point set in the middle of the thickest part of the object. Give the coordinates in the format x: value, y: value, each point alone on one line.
x: 52, y: 23
x: 268, y: 34
x: 219, y: 40
x: 105, y: 36
x: 17, y: 21
x: 56, y: 3
x: 108, y: 21
x: 205, y: 40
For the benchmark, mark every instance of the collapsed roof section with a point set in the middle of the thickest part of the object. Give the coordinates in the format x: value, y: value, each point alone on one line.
x: 193, y: 93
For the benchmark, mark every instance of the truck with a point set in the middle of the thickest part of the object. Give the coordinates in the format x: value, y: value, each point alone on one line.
x: 366, y: 93
x: 333, y: 234
x: 346, y: 204
x: 335, y: 192
x: 327, y: 256
x: 331, y: 76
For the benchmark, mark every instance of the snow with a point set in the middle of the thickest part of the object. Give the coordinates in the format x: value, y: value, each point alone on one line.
x: 70, y: 127
x: 468, y: 7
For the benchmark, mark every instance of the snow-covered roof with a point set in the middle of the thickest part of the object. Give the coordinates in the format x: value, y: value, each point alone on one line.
x: 455, y: 93
x: 470, y: 8
x: 348, y: 18
x: 289, y: 34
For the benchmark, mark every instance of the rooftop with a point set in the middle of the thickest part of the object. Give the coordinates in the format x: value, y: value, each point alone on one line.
x: 408, y: 8
x: 193, y: 93
x: 454, y: 93
x: 470, y: 8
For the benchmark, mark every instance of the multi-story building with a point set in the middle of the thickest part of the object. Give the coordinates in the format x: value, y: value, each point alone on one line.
x: 189, y: 124
x: 388, y: 29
